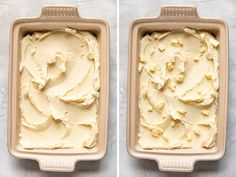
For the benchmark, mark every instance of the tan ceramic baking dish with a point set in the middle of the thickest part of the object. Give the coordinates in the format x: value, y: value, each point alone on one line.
x: 176, y: 17
x: 57, y: 17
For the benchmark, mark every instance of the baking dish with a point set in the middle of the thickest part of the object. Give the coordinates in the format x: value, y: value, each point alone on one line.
x: 52, y: 18
x: 171, y: 18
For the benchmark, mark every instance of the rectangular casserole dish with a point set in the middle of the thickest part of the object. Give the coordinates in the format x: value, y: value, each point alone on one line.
x: 176, y: 17
x: 57, y: 17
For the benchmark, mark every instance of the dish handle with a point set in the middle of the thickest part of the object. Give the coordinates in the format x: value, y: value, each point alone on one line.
x: 178, y: 11
x: 59, y: 11
x: 57, y: 164
x: 179, y: 164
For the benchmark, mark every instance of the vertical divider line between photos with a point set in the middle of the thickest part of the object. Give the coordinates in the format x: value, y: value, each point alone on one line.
x: 118, y: 86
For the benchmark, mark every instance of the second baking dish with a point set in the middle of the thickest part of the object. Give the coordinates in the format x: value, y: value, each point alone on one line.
x: 176, y: 18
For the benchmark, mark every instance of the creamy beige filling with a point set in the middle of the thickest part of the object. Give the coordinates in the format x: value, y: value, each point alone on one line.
x: 59, y: 89
x: 178, y: 93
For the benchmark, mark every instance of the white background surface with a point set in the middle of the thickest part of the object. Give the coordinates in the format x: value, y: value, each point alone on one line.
x: 14, y: 9
x: 129, y: 10
x: 222, y: 9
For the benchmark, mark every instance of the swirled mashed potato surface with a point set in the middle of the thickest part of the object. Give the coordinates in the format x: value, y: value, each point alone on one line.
x: 59, y: 90
x: 178, y: 91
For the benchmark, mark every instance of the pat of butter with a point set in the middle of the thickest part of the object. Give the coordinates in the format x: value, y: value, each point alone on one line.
x: 197, y: 132
x: 202, y: 49
x: 157, y: 132
x: 182, y: 112
x: 209, y: 56
x: 152, y: 68
x: 160, y: 105
x: 208, y: 76
x: 173, y: 123
x: 214, y: 42
x: 142, y: 60
x: 170, y: 66
x: 196, y: 59
x: 180, y: 78
x: 205, y: 112
x: 176, y: 42
x: 161, y: 47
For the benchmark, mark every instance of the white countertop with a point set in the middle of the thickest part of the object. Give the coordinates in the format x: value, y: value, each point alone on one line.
x: 11, y: 10
x: 222, y: 9
x: 129, y: 10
